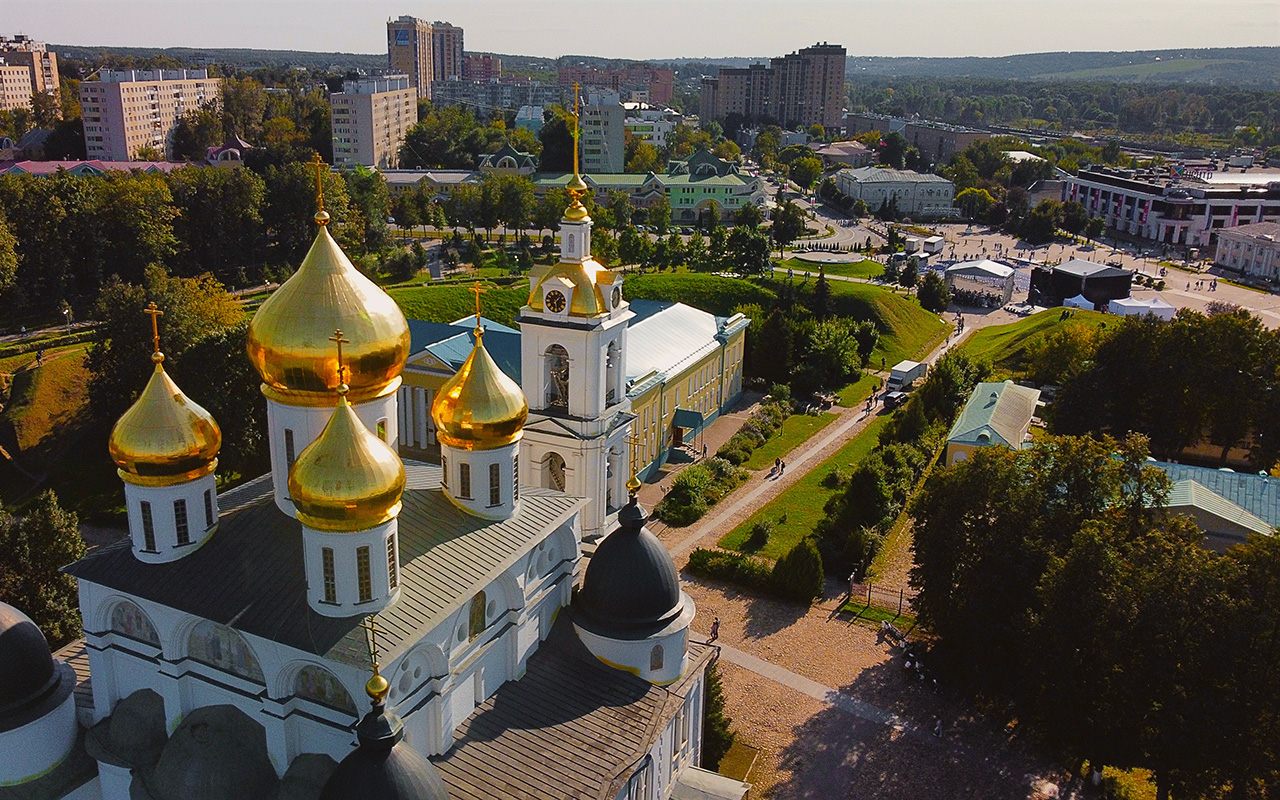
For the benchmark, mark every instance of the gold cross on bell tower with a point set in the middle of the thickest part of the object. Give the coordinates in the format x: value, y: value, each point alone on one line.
x: 577, y: 126
x: 477, y: 290
x: 155, y: 313
x: 634, y: 483
x: 338, y: 339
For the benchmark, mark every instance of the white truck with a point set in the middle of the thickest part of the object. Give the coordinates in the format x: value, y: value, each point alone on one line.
x: 904, y: 375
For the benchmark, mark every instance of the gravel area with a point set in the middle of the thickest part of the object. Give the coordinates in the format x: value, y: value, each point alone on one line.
x: 810, y: 749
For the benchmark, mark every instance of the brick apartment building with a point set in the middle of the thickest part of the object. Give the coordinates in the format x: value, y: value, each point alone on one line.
x: 657, y: 83
x: 797, y: 90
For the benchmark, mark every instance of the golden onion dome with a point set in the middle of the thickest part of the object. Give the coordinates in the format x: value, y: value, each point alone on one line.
x: 586, y: 276
x: 479, y: 408
x: 347, y: 480
x: 289, y: 340
x: 164, y: 438
x: 577, y: 188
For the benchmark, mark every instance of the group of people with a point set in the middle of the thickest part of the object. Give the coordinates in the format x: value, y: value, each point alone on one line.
x: 779, y: 467
x: 1211, y: 285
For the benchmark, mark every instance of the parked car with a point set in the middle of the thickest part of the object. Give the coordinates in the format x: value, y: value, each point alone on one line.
x: 894, y: 399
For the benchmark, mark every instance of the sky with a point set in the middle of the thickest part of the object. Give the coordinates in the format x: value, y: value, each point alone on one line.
x: 653, y: 29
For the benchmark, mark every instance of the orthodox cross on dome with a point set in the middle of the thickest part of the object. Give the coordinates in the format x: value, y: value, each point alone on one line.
x: 337, y: 339
x: 477, y: 291
x: 633, y: 483
x: 155, y: 313
x: 322, y: 216
x: 377, y: 686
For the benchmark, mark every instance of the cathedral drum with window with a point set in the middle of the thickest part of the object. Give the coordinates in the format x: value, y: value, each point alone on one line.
x: 166, y: 449
x: 480, y: 415
x: 346, y: 487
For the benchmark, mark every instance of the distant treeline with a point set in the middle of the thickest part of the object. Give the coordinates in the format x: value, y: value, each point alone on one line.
x: 1070, y: 105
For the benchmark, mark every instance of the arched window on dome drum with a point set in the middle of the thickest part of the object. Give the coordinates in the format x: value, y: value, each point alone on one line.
x: 495, y: 485
x: 290, y: 453
x: 476, y: 624
x: 129, y: 620
x: 655, y: 658
x: 148, y: 527
x: 515, y: 479
x: 180, y: 521
x: 319, y: 685
x: 555, y: 471
x: 222, y: 648
x: 464, y: 480
x: 330, y: 579
x: 557, y: 378
x: 364, y: 575
x: 393, y: 563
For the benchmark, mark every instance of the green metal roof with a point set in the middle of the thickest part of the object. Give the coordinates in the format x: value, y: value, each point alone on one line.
x: 995, y: 413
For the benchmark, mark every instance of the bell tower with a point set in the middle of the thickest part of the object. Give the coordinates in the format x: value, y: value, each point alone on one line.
x: 573, y: 340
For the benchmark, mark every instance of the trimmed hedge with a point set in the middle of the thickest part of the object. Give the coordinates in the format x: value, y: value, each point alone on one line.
x: 735, y: 568
x: 48, y: 344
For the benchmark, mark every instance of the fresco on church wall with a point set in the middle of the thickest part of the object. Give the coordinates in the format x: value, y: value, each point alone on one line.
x: 131, y: 621
x: 322, y: 686
x: 219, y: 646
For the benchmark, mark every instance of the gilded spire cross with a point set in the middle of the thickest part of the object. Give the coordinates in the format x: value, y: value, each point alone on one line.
x: 633, y: 484
x: 155, y: 313
x: 337, y: 339
x: 477, y: 291
x: 322, y: 216
x: 377, y: 686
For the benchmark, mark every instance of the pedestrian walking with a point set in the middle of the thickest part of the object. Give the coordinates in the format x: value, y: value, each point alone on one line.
x: 937, y: 727
x: 784, y: 468
x: 777, y: 465
x: 715, y: 630
x: 704, y: 450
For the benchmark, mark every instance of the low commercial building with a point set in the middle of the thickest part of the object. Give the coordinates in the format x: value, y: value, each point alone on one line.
x: 1098, y: 284
x: 936, y: 141
x: 914, y: 194
x: 1228, y: 506
x: 650, y: 123
x: 845, y: 154
x: 529, y: 118
x: 1185, y: 207
x: 485, y: 96
x: 370, y: 119
x: 126, y: 110
x: 1252, y: 250
x: 995, y: 414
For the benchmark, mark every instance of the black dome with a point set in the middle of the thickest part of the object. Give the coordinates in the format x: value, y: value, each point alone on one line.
x: 27, y: 671
x: 216, y: 752
x: 631, y: 589
x: 382, y: 767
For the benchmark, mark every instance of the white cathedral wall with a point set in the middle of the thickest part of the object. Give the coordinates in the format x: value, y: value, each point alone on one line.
x: 436, y: 683
x: 307, y: 422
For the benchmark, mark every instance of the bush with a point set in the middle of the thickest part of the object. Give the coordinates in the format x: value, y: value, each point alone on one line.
x: 735, y: 568
x: 759, y: 534
x: 696, y: 489
x: 798, y: 575
x: 763, y: 425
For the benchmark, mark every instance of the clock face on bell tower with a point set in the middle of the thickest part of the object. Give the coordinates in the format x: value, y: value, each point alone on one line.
x: 555, y: 301
x: 617, y: 296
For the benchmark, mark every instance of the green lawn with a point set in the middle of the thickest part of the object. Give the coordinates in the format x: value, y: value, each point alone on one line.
x: 858, y: 391
x: 802, y: 504
x: 796, y: 429
x: 447, y: 303
x: 906, y: 329
x: 859, y: 269
x: 875, y: 614
x: 1005, y: 346
x: 714, y: 293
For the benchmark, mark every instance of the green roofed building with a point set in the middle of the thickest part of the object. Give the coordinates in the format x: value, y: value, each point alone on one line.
x: 995, y: 414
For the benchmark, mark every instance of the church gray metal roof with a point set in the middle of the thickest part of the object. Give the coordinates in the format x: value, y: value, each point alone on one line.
x: 571, y: 727
x: 250, y: 574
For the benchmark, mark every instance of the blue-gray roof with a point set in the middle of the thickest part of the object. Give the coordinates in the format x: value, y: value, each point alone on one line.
x: 1256, y: 494
x: 996, y: 413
